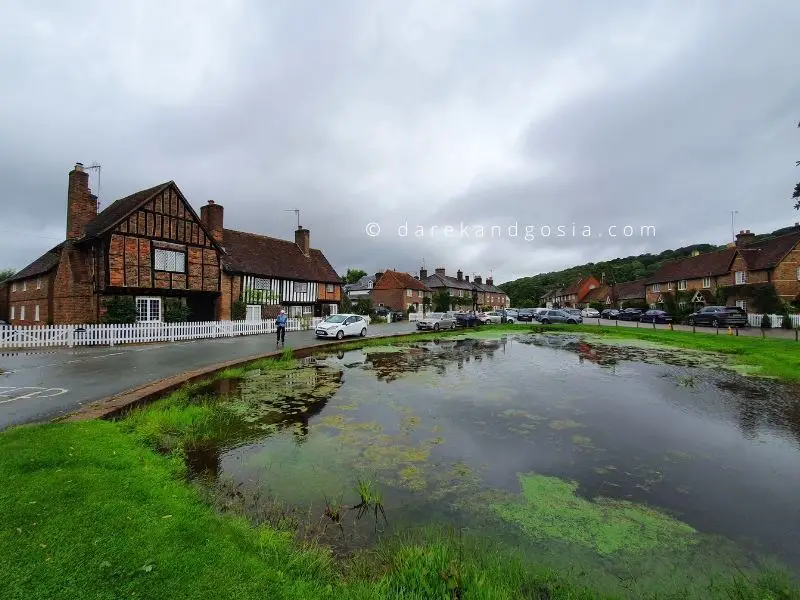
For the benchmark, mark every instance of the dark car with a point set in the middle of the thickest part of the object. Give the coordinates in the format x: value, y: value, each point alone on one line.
x: 655, y: 316
x: 609, y: 313
x: 559, y: 316
x: 467, y: 320
x: 525, y: 315
x: 398, y: 315
x: 719, y: 316
x: 630, y: 314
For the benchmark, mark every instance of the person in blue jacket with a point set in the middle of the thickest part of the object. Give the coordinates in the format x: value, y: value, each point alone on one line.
x: 280, y: 321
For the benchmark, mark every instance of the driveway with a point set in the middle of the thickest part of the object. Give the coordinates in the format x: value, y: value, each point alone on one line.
x: 42, y: 385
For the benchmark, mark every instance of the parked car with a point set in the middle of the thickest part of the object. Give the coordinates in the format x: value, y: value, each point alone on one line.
x: 467, y: 320
x: 609, y: 313
x: 509, y: 315
x: 560, y: 316
x: 537, y: 312
x: 719, y: 316
x: 491, y: 317
x: 591, y: 313
x: 630, y: 314
x: 655, y: 316
x: 573, y: 311
x: 341, y: 325
x: 436, y: 321
x: 398, y: 315
x: 526, y: 314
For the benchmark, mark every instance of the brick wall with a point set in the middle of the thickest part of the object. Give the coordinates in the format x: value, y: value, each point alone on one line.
x: 395, y: 299
x: 740, y: 265
x: 30, y: 293
x: 74, y: 301
x: 4, y: 302
x: 231, y: 291
x: 323, y: 295
x: 784, y: 277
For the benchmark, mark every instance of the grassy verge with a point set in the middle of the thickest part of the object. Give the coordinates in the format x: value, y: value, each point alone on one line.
x: 88, y: 512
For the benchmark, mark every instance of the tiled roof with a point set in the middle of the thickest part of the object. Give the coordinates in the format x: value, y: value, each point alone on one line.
x: 44, y: 264
x: 120, y: 209
x: 631, y: 290
x: 694, y: 267
x: 249, y: 253
x: 440, y: 281
x: 396, y: 280
x: 768, y: 253
x: 575, y: 286
x: 361, y: 285
x: 598, y: 294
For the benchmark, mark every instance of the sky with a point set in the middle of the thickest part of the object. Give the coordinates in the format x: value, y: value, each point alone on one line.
x: 374, y: 115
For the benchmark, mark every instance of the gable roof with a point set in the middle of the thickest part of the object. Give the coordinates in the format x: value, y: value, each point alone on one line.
x: 396, y: 280
x: 263, y: 256
x: 44, y: 264
x: 439, y: 281
x: 361, y: 285
x: 766, y: 254
x: 120, y: 209
x: 575, y: 286
x: 598, y: 294
x: 695, y: 267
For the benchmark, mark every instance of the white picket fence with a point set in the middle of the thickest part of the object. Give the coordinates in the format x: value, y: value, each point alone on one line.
x: 774, y: 320
x: 47, y: 336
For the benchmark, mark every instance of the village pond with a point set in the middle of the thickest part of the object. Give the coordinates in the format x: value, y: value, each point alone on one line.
x: 628, y: 464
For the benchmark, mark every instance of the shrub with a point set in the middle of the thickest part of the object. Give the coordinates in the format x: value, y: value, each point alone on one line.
x: 786, y: 323
x: 766, y: 323
x: 120, y: 310
x: 176, y: 311
x: 238, y: 311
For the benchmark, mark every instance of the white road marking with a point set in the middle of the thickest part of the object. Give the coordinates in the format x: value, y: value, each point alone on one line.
x: 39, y: 392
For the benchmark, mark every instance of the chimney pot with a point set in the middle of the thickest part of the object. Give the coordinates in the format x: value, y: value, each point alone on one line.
x: 211, y: 202
x: 79, y: 166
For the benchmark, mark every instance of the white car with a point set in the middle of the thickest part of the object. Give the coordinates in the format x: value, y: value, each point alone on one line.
x: 592, y: 313
x: 492, y: 317
x: 338, y: 326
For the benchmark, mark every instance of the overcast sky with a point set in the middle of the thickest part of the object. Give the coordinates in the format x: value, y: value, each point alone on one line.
x: 423, y: 112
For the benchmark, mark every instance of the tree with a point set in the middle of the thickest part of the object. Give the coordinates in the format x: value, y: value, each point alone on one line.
x: 120, y: 310
x: 345, y: 304
x: 353, y: 275
x: 441, y: 301
x: 6, y: 273
x: 176, y: 311
x: 796, y: 195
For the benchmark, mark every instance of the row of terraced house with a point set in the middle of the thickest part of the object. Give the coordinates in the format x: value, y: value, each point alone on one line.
x: 153, y: 247
x: 734, y: 276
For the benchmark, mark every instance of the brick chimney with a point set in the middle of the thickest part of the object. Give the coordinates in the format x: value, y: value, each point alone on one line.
x: 489, y: 281
x: 378, y: 276
x: 460, y: 275
x: 302, y: 237
x: 81, y: 204
x: 211, y: 215
x: 744, y: 238
x: 440, y: 271
x: 423, y: 274
x: 466, y: 278
x: 478, y: 279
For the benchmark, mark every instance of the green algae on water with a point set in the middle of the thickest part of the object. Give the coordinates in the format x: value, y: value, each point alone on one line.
x: 565, y: 424
x: 550, y: 509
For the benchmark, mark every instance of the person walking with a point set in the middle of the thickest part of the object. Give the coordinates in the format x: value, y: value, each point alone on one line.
x: 281, y: 321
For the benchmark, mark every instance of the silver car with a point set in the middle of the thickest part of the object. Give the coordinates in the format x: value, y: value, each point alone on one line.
x: 560, y: 316
x: 436, y: 321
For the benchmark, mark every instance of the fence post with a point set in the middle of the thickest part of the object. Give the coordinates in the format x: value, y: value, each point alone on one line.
x: 71, y: 336
x: 171, y: 329
x: 796, y: 330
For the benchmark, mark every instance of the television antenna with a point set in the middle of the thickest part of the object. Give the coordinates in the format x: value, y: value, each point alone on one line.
x: 733, y: 229
x: 296, y: 211
x: 95, y: 166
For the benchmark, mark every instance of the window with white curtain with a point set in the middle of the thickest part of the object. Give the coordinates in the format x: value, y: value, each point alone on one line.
x: 169, y: 260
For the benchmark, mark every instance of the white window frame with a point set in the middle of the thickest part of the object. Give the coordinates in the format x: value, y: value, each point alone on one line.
x: 741, y: 277
x: 742, y: 304
x: 13, y: 313
x: 162, y: 259
x: 706, y: 282
x: 408, y: 292
x: 300, y: 287
x: 150, y: 302
x: 308, y: 309
x: 36, y: 313
x: 22, y: 313
x: 24, y: 285
x: 38, y: 285
x: 656, y: 288
x: 682, y: 284
x: 798, y: 273
x: 14, y: 286
x: 330, y: 288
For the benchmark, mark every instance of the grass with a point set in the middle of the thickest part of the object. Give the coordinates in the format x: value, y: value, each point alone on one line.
x: 88, y: 513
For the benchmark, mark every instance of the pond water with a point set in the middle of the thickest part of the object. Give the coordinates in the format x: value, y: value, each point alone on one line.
x: 475, y: 431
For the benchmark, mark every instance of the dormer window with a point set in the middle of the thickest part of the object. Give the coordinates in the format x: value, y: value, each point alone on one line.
x: 369, y: 284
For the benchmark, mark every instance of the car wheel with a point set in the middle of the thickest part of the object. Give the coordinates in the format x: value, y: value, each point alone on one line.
x: 452, y: 325
x: 545, y: 322
x: 510, y: 321
x: 715, y: 323
x: 572, y: 322
x: 364, y: 332
x: 339, y: 334
x: 436, y: 327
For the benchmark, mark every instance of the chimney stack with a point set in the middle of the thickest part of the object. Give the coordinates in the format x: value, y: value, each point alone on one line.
x: 489, y: 281
x: 478, y: 279
x: 440, y: 271
x: 211, y: 215
x: 745, y: 237
x: 378, y: 276
x: 460, y: 275
x: 423, y: 274
x: 81, y: 204
x: 302, y: 237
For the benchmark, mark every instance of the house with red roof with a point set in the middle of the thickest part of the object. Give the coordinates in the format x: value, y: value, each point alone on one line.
x: 153, y: 247
x: 575, y: 293
x: 397, y: 291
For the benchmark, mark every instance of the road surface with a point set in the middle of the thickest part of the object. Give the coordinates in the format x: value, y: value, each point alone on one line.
x: 45, y: 384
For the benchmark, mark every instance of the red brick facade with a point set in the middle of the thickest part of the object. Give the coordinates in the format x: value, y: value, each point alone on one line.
x: 398, y: 291
x: 29, y: 301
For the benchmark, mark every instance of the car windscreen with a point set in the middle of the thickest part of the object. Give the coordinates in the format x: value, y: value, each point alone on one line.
x: 435, y: 315
x: 336, y: 319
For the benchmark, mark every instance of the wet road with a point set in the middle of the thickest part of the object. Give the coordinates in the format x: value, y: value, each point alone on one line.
x: 42, y: 385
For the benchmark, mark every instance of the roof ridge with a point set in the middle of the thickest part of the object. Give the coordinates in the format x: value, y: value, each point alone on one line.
x: 266, y: 237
